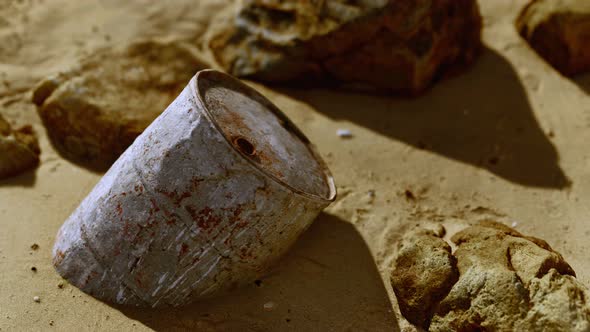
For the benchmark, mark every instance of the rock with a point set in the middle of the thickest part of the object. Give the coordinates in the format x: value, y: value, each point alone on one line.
x: 94, y: 112
x: 496, y: 265
x: 388, y: 45
x: 19, y: 149
x: 507, y: 282
x: 559, y: 30
x: 559, y: 303
x: 492, y: 242
x: 424, y: 273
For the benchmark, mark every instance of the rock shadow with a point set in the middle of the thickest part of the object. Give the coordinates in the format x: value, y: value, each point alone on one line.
x: 26, y: 179
x: 583, y: 82
x: 481, y: 117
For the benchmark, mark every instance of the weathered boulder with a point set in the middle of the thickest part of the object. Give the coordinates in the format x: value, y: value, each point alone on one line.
x: 19, y: 149
x: 425, y: 271
x: 557, y: 303
x: 507, y: 282
x: 95, y: 111
x: 389, y: 45
x: 559, y: 30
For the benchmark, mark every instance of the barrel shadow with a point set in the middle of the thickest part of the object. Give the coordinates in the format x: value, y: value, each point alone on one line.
x: 583, y: 81
x: 327, y: 282
x: 481, y: 117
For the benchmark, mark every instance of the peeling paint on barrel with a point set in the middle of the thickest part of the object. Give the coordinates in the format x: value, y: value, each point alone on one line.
x: 214, y: 191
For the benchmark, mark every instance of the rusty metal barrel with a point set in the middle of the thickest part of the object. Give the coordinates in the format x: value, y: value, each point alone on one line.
x: 217, y: 188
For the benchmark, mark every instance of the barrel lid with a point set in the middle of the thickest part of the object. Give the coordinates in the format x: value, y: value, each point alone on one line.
x: 262, y: 134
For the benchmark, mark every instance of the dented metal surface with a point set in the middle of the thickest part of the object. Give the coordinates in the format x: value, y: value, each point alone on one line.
x: 215, y: 190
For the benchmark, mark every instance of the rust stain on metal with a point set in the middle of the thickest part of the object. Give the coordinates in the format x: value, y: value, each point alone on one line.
x: 119, y: 209
x: 175, y: 197
x: 155, y: 207
x: 183, y: 250
x: 58, y: 257
x: 204, y: 218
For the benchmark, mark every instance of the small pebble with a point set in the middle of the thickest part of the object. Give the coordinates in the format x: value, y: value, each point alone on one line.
x: 268, y: 306
x: 514, y: 224
x: 344, y: 133
x: 439, y: 230
x: 34, y: 269
x: 60, y: 285
x: 409, y: 195
x: 371, y: 193
x: 37, y: 299
x: 34, y: 246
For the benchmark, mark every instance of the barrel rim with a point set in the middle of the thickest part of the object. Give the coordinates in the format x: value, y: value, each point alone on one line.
x: 198, y: 91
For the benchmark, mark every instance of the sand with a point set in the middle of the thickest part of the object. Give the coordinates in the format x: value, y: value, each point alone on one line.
x: 507, y: 140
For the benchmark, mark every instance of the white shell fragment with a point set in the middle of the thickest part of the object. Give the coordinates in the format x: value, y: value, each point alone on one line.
x: 214, y: 190
x: 344, y: 133
x: 269, y: 306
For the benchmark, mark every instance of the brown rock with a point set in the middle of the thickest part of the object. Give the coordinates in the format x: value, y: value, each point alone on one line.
x: 377, y: 44
x: 19, y: 149
x: 559, y: 30
x: 423, y: 274
x: 94, y: 112
x: 507, y: 282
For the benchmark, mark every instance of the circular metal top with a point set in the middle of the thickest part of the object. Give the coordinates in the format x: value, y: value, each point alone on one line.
x: 263, y: 135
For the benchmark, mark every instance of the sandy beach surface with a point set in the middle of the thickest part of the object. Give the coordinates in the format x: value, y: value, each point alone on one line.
x: 507, y: 140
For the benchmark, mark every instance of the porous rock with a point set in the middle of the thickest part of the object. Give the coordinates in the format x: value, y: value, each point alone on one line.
x: 559, y: 30
x: 390, y: 45
x: 95, y: 111
x: 507, y: 282
x: 19, y: 149
x: 424, y: 273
